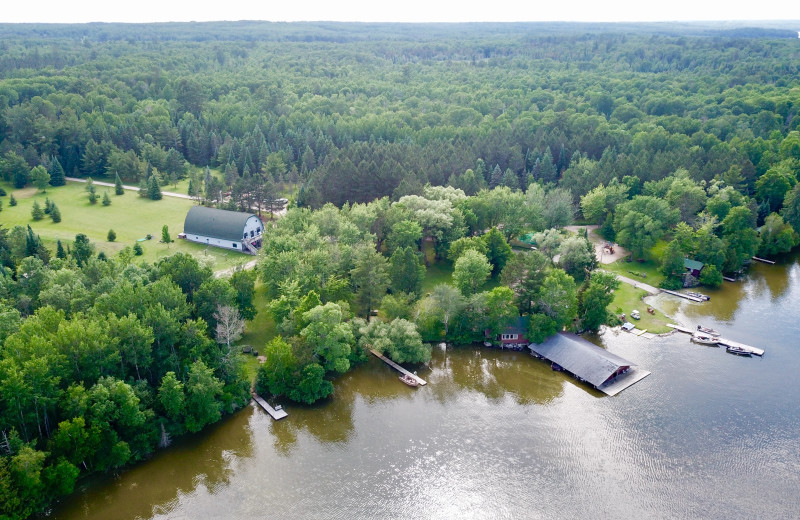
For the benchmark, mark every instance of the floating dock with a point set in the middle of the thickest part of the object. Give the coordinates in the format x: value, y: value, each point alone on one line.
x: 763, y: 260
x: 682, y: 295
x: 278, y: 414
x: 724, y: 342
x: 728, y: 279
x: 397, y: 367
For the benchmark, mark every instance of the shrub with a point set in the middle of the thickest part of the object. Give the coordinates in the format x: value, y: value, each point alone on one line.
x: 111, y: 235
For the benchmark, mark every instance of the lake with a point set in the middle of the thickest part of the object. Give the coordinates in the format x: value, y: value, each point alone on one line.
x: 498, y: 434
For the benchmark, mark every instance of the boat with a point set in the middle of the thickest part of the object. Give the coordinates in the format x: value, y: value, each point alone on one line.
x: 703, y: 297
x: 705, y: 339
x: 410, y: 381
x: 739, y: 351
x: 706, y: 330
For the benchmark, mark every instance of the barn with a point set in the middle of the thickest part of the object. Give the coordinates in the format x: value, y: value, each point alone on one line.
x: 234, y: 230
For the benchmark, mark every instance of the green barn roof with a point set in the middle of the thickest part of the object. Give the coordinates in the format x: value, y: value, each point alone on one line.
x: 216, y: 223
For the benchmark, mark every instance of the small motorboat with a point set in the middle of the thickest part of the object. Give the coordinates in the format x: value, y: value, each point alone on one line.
x: 705, y: 339
x: 703, y: 297
x: 410, y: 381
x: 739, y: 351
x: 706, y: 330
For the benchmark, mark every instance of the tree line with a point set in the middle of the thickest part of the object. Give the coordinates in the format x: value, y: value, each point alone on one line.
x: 103, y: 361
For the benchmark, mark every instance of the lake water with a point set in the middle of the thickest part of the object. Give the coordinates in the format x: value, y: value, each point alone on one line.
x: 500, y: 435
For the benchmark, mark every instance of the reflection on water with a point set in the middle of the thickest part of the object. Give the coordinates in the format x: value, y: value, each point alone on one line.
x: 499, y: 435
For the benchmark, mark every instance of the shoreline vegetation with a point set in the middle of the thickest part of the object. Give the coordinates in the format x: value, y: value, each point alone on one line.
x: 413, y: 158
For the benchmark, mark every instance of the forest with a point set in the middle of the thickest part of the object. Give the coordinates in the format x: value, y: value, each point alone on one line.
x: 407, y: 151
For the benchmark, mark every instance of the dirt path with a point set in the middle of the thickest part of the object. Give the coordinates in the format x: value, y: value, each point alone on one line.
x: 603, y: 256
x: 131, y: 188
x: 227, y: 272
x: 639, y: 285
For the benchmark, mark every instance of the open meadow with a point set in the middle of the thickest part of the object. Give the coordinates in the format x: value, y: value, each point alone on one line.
x: 130, y: 216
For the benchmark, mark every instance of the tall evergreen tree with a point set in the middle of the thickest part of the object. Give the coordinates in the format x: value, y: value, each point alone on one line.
x: 118, y: 189
x: 57, y: 175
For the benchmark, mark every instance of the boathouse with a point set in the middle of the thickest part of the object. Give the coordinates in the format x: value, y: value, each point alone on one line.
x: 512, y: 336
x: 221, y: 228
x: 586, y: 361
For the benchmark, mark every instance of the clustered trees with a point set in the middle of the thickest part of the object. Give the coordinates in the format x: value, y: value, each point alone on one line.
x: 102, y: 361
x: 343, y: 280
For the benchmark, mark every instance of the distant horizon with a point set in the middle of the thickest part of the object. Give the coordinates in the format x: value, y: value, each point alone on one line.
x: 579, y: 22
x: 410, y: 11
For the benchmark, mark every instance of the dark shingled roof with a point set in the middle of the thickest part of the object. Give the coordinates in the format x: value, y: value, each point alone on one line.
x: 586, y: 360
x: 216, y: 223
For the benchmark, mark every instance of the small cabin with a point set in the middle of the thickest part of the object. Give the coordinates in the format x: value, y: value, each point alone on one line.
x: 235, y: 230
x: 693, y: 267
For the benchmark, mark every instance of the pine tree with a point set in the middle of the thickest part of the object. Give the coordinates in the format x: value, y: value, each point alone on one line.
x: 165, y: 235
x: 60, y: 253
x: 55, y: 213
x: 92, y: 194
x: 137, y: 249
x: 36, y: 211
x: 118, y: 189
x: 57, y: 175
x: 153, y: 189
x: 12, y: 201
x: 111, y: 235
x: 106, y: 199
x: 47, y: 205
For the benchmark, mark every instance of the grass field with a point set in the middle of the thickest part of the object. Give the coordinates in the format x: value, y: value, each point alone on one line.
x: 130, y: 216
x: 628, y: 298
x: 636, y: 270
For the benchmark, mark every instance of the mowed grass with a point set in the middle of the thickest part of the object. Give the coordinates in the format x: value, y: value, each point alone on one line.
x: 628, y: 298
x: 130, y: 216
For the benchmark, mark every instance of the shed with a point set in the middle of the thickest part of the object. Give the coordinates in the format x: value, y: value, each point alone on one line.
x: 693, y: 267
x: 234, y: 230
x: 605, y: 371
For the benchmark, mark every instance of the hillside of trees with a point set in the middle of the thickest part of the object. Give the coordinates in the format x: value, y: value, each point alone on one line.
x: 411, y: 147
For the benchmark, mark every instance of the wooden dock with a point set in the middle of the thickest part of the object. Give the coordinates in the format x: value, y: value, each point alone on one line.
x: 763, y: 260
x: 724, y: 342
x: 680, y: 329
x: 682, y: 295
x: 730, y: 343
x: 728, y: 278
x: 278, y: 414
x: 397, y: 367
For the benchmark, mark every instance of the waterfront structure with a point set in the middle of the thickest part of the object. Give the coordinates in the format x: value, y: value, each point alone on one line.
x: 586, y: 361
x: 234, y: 230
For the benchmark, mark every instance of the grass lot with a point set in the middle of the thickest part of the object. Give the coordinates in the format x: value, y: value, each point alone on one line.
x: 635, y: 270
x: 130, y: 216
x: 258, y: 332
x: 628, y: 298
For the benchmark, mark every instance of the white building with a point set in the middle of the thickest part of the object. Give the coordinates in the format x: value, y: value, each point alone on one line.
x: 221, y: 228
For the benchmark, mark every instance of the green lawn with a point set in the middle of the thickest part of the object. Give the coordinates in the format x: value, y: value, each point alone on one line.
x: 647, y: 272
x: 628, y: 298
x: 260, y: 329
x: 130, y: 216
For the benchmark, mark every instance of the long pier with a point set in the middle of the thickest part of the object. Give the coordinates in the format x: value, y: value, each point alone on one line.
x: 722, y: 341
x: 397, y: 367
x: 763, y: 260
x: 276, y: 414
x: 682, y: 295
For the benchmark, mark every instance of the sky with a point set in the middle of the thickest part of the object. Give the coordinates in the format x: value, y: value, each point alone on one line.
x: 76, y: 11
